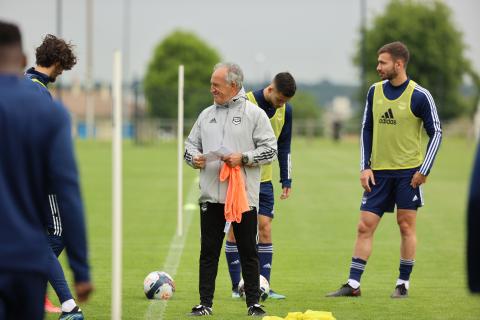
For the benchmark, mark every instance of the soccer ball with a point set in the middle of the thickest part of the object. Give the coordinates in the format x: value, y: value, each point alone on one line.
x: 264, y: 288
x: 158, y: 285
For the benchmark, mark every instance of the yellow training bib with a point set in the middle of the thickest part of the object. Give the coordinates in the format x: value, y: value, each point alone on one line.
x: 397, y: 135
x: 277, y: 122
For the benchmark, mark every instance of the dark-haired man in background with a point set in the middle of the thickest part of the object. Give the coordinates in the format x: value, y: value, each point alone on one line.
x: 54, y: 56
x: 274, y: 101
x: 36, y: 156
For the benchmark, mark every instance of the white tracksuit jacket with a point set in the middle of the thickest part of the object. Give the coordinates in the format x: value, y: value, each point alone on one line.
x: 239, y: 126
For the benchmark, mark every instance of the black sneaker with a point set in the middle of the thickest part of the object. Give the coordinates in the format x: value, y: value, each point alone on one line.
x: 201, y: 310
x: 255, y: 310
x: 400, y: 292
x: 75, y: 314
x: 345, y: 291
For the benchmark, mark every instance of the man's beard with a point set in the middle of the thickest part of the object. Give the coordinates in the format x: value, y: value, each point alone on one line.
x: 389, y: 75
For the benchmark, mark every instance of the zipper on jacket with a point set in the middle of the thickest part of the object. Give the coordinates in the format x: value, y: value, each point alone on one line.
x: 221, y: 145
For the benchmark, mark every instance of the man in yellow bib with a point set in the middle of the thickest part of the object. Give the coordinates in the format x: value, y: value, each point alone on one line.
x: 393, y: 166
x: 274, y: 101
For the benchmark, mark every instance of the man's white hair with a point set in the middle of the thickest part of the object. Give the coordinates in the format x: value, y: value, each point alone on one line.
x: 234, y: 73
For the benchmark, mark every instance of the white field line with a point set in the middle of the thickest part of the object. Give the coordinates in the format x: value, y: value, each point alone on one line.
x: 156, y: 309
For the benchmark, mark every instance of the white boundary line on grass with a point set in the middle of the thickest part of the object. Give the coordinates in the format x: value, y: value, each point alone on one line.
x: 157, y: 308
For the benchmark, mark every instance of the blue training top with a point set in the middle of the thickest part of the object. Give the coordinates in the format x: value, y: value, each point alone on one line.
x: 54, y: 221
x: 36, y: 155
x: 284, y: 140
x: 33, y: 74
x: 423, y: 107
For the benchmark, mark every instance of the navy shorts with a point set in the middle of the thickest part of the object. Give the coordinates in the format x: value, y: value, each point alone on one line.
x: 389, y: 192
x: 267, y: 199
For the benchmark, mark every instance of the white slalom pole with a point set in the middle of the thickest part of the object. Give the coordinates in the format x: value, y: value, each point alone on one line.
x: 117, y: 188
x: 180, y: 153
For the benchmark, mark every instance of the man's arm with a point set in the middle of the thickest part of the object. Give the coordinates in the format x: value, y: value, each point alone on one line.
x: 265, y: 142
x: 427, y: 111
x: 284, y: 159
x: 367, y: 132
x: 366, y: 174
x: 63, y: 181
x: 193, y: 147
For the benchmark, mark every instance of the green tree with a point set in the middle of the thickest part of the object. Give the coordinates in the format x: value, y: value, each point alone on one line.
x: 305, y: 106
x: 436, y: 50
x: 161, y: 79
x: 307, y: 114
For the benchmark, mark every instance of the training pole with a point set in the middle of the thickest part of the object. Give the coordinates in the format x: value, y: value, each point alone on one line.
x: 180, y: 153
x: 117, y: 188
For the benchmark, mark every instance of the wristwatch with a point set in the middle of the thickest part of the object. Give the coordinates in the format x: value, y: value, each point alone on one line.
x: 244, y: 159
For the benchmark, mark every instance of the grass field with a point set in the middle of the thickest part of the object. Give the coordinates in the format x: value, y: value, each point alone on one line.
x: 313, y: 235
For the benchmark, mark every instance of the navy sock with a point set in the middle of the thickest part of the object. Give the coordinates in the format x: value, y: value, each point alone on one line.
x: 265, y: 253
x: 405, y: 269
x: 356, y: 268
x: 233, y: 261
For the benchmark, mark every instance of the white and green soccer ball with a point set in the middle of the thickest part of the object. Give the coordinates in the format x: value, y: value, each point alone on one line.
x: 264, y: 288
x: 158, y: 285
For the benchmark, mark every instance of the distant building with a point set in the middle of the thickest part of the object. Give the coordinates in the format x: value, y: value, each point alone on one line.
x: 75, y: 99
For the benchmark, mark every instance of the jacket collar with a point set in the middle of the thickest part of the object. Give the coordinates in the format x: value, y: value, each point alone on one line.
x: 235, y: 101
x: 34, y: 74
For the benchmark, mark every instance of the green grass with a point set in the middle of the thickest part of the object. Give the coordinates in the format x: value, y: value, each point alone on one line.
x: 313, y: 233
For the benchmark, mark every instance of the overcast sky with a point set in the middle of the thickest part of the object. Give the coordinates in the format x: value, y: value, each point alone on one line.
x: 313, y: 39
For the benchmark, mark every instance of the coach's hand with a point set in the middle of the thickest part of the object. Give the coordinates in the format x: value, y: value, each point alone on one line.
x: 199, y: 161
x: 418, y: 179
x: 366, y: 176
x: 233, y: 159
x: 83, y: 290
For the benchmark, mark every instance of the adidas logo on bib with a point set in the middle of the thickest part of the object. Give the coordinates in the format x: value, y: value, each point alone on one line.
x: 388, y: 118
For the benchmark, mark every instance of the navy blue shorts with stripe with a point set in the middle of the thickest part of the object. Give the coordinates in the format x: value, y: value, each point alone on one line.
x: 391, y: 191
x: 267, y: 199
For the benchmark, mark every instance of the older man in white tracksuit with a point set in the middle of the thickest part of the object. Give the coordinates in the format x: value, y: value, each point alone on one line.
x: 240, y: 134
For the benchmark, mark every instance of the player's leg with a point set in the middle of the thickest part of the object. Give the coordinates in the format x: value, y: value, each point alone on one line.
x: 233, y: 262
x: 373, y: 206
x: 56, y: 277
x: 265, y: 247
x: 408, y: 201
x: 265, y: 244
x: 366, y: 227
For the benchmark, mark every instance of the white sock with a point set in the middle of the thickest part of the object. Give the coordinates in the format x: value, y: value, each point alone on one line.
x: 353, y: 283
x: 406, y: 282
x: 68, y: 305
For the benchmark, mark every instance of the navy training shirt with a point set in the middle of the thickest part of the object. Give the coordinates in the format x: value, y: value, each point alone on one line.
x: 36, y: 155
x: 473, y: 225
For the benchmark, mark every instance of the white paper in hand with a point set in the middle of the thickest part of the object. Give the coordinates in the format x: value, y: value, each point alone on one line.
x: 217, y: 154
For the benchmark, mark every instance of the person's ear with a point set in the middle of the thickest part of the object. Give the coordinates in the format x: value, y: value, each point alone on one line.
x: 24, y: 61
